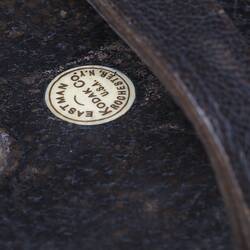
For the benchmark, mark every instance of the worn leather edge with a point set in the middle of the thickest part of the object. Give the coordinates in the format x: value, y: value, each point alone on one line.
x: 233, y: 196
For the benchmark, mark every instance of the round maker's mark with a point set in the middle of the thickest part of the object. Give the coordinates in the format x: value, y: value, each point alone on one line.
x: 90, y: 95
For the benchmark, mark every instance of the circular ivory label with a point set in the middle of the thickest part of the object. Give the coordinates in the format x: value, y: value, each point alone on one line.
x: 90, y: 95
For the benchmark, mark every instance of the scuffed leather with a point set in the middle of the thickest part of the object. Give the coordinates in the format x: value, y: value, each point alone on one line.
x: 207, y: 63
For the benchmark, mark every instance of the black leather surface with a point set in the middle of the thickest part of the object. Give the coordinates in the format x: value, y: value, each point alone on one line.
x: 239, y: 12
x: 140, y: 182
x: 196, y: 51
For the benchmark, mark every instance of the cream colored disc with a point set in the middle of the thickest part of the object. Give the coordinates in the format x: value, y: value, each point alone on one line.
x: 90, y: 95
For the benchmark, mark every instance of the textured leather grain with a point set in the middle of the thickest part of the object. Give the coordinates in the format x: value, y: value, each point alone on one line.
x: 198, y: 54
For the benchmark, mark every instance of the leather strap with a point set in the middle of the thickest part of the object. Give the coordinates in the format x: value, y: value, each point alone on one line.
x: 197, y: 53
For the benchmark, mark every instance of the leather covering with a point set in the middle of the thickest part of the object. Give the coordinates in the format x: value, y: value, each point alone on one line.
x: 198, y: 54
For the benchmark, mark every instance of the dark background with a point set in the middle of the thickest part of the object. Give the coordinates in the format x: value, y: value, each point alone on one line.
x: 142, y: 181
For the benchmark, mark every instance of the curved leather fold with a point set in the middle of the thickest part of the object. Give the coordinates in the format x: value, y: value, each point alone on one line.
x: 197, y: 53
